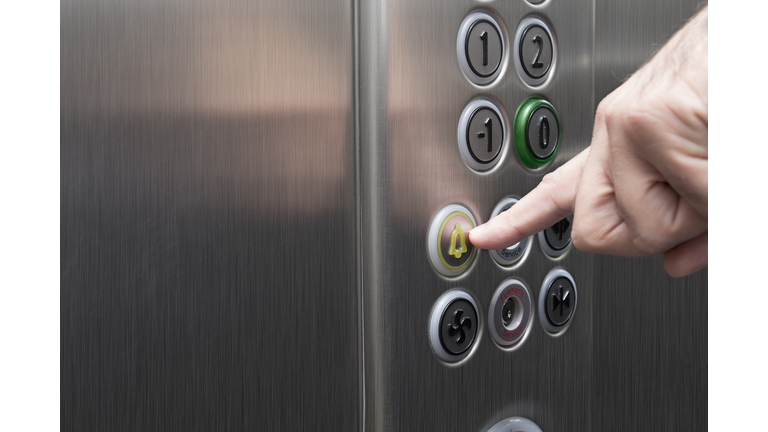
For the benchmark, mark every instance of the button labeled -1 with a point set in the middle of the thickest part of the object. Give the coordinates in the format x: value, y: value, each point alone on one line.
x: 481, y: 134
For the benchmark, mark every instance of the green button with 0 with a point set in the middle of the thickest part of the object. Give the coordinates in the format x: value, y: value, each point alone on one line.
x: 536, y: 132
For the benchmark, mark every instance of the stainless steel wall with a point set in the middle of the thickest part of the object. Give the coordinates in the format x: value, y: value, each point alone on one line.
x: 246, y: 189
x: 413, y: 95
x: 208, y: 219
x: 650, y: 330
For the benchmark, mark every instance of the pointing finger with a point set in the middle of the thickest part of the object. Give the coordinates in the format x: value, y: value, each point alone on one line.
x: 551, y: 201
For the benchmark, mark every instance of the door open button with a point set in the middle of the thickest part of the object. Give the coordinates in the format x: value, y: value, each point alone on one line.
x: 558, y: 299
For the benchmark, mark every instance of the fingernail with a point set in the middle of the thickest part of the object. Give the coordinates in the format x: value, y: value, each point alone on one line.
x: 477, y: 229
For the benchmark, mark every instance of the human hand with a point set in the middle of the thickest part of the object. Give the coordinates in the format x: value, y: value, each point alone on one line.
x: 641, y: 187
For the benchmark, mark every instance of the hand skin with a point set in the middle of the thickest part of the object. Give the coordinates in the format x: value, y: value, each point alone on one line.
x: 641, y: 187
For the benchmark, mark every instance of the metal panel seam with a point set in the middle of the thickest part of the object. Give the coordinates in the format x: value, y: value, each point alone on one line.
x: 358, y: 198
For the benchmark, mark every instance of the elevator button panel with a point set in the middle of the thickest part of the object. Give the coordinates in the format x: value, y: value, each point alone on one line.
x: 556, y: 240
x: 480, y: 47
x: 481, y: 133
x: 454, y: 325
x: 510, y: 313
x: 558, y: 299
x: 537, y: 132
x: 515, y: 424
x: 535, y: 51
x: 450, y: 250
x: 516, y: 252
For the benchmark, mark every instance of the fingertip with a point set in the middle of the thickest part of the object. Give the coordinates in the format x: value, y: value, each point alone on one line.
x: 476, y: 236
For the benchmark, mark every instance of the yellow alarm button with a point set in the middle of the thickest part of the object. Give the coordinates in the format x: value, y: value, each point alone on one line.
x: 450, y: 250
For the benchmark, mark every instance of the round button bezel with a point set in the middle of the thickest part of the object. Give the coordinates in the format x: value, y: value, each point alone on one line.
x: 462, y: 133
x: 549, y: 250
x: 461, y: 40
x: 508, y: 337
x: 436, y: 316
x: 522, y: 28
x: 555, y: 330
x: 520, y: 250
x: 515, y: 424
x: 433, y: 240
x: 522, y: 120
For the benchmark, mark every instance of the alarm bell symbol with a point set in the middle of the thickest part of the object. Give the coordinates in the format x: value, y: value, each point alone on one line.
x: 457, y: 232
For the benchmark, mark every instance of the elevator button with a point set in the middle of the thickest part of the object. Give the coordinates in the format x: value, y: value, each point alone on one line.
x: 509, y: 315
x: 515, y: 424
x: 483, y: 48
x: 449, y: 247
x: 454, y: 325
x: 535, y: 51
x: 555, y: 240
x: 484, y: 135
x: 480, y: 47
x: 537, y: 132
x: 514, y: 253
x: 481, y: 134
x: 557, y: 301
x: 458, y: 327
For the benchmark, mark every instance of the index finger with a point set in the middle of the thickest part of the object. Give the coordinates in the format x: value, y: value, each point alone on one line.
x: 552, y: 200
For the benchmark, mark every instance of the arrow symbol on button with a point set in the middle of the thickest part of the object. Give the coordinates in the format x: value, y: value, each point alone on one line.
x: 561, y: 301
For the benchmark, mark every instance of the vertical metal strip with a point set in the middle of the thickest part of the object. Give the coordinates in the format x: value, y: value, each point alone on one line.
x: 358, y: 201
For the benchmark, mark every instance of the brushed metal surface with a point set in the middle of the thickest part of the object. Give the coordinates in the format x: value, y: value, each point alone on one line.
x: 650, y: 330
x: 208, y: 216
x: 412, y: 95
x: 218, y: 210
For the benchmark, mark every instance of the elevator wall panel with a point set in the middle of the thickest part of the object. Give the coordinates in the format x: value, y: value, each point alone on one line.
x: 247, y: 189
x: 650, y: 342
x: 208, y: 261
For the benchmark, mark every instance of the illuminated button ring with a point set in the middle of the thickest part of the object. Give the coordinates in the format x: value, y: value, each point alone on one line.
x: 450, y: 250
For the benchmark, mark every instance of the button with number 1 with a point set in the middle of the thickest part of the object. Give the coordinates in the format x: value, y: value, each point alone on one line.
x: 480, y: 47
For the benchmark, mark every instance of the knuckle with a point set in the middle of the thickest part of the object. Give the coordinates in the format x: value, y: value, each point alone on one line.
x: 551, y: 185
x: 603, y: 110
x: 584, y: 238
x: 649, y: 238
x: 637, y: 119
